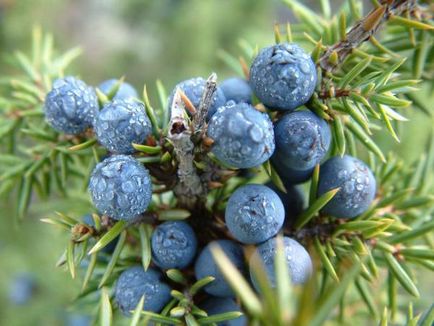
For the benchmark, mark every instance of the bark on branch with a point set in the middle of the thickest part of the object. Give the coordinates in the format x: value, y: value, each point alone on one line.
x: 363, y: 30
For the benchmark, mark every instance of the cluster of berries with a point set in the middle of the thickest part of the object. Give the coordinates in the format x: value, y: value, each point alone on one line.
x: 283, y: 77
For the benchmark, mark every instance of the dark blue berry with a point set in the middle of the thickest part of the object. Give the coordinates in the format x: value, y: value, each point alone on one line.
x: 283, y: 76
x: 243, y: 136
x: 134, y: 283
x: 292, y: 200
x: 237, y: 89
x: 121, y: 123
x: 125, y: 91
x: 22, y: 288
x: 193, y: 89
x: 215, y: 306
x: 205, y: 266
x: 297, y: 258
x: 289, y: 175
x: 120, y: 187
x: 254, y: 213
x: 70, y: 106
x: 356, y: 182
x: 173, y: 245
x: 302, y: 139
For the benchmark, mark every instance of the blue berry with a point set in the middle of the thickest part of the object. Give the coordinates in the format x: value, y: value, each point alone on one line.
x: 283, y: 76
x: 78, y: 320
x: 120, y: 187
x: 112, y: 245
x: 243, y: 136
x: 289, y: 175
x: 22, y: 289
x: 297, y: 259
x: 194, y: 88
x: 135, y: 282
x: 206, y: 266
x: 215, y: 306
x: 121, y: 123
x: 70, y: 106
x: 292, y: 200
x: 356, y: 182
x: 174, y: 245
x: 125, y: 90
x: 302, y: 139
x: 254, y: 213
x: 237, y: 90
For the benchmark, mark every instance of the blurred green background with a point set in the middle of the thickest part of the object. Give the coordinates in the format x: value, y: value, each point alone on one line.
x: 144, y: 40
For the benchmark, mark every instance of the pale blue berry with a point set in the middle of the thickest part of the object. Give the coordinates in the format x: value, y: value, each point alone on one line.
x: 125, y: 91
x: 237, y: 89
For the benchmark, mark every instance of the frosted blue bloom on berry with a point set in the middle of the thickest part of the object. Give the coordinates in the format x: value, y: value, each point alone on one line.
x: 302, y: 139
x: 121, y: 123
x: 297, y: 259
x: 205, y: 266
x: 237, y: 89
x: 243, y: 136
x: 125, y: 90
x: 120, y: 187
x: 174, y: 245
x: 289, y: 175
x: 215, y: 306
x: 194, y: 88
x: 356, y: 182
x: 135, y: 282
x: 254, y: 213
x: 22, y: 288
x: 70, y: 106
x: 283, y: 76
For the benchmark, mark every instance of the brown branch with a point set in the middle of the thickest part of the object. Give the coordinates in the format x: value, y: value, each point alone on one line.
x: 362, y: 31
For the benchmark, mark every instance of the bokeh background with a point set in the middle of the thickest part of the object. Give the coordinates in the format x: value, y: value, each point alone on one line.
x: 144, y: 40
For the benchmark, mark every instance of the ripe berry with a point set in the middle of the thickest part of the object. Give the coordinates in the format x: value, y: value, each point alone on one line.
x: 215, y: 306
x: 135, y: 282
x: 120, y: 187
x: 302, y: 139
x: 292, y: 200
x: 254, y: 213
x: 297, y: 259
x: 173, y: 245
x: 125, y: 90
x: 289, y: 175
x: 356, y: 182
x: 121, y: 123
x: 22, y: 289
x: 206, y: 266
x: 194, y: 88
x: 70, y: 106
x: 243, y: 136
x: 237, y: 89
x: 283, y: 76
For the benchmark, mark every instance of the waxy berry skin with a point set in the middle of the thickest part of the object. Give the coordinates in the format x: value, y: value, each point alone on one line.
x: 205, y: 266
x: 121, y: 123
x: 135, y: 282
x: 297, y: 259
x: 302, y: 139
x: 254, y: 213
x: 215, y: 305
x: 173, y: 245
x: 120, y: 187
x: 283, y: 76
x: 356, y: 182
x: 193, y: 89
x: 125, y: 91
x: 243, y: 136
x: 71, y: 106
x: 237, y: 89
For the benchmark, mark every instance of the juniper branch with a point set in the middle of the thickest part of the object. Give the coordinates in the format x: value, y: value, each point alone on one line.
x: 362, y: 31
x: 188, y: 188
